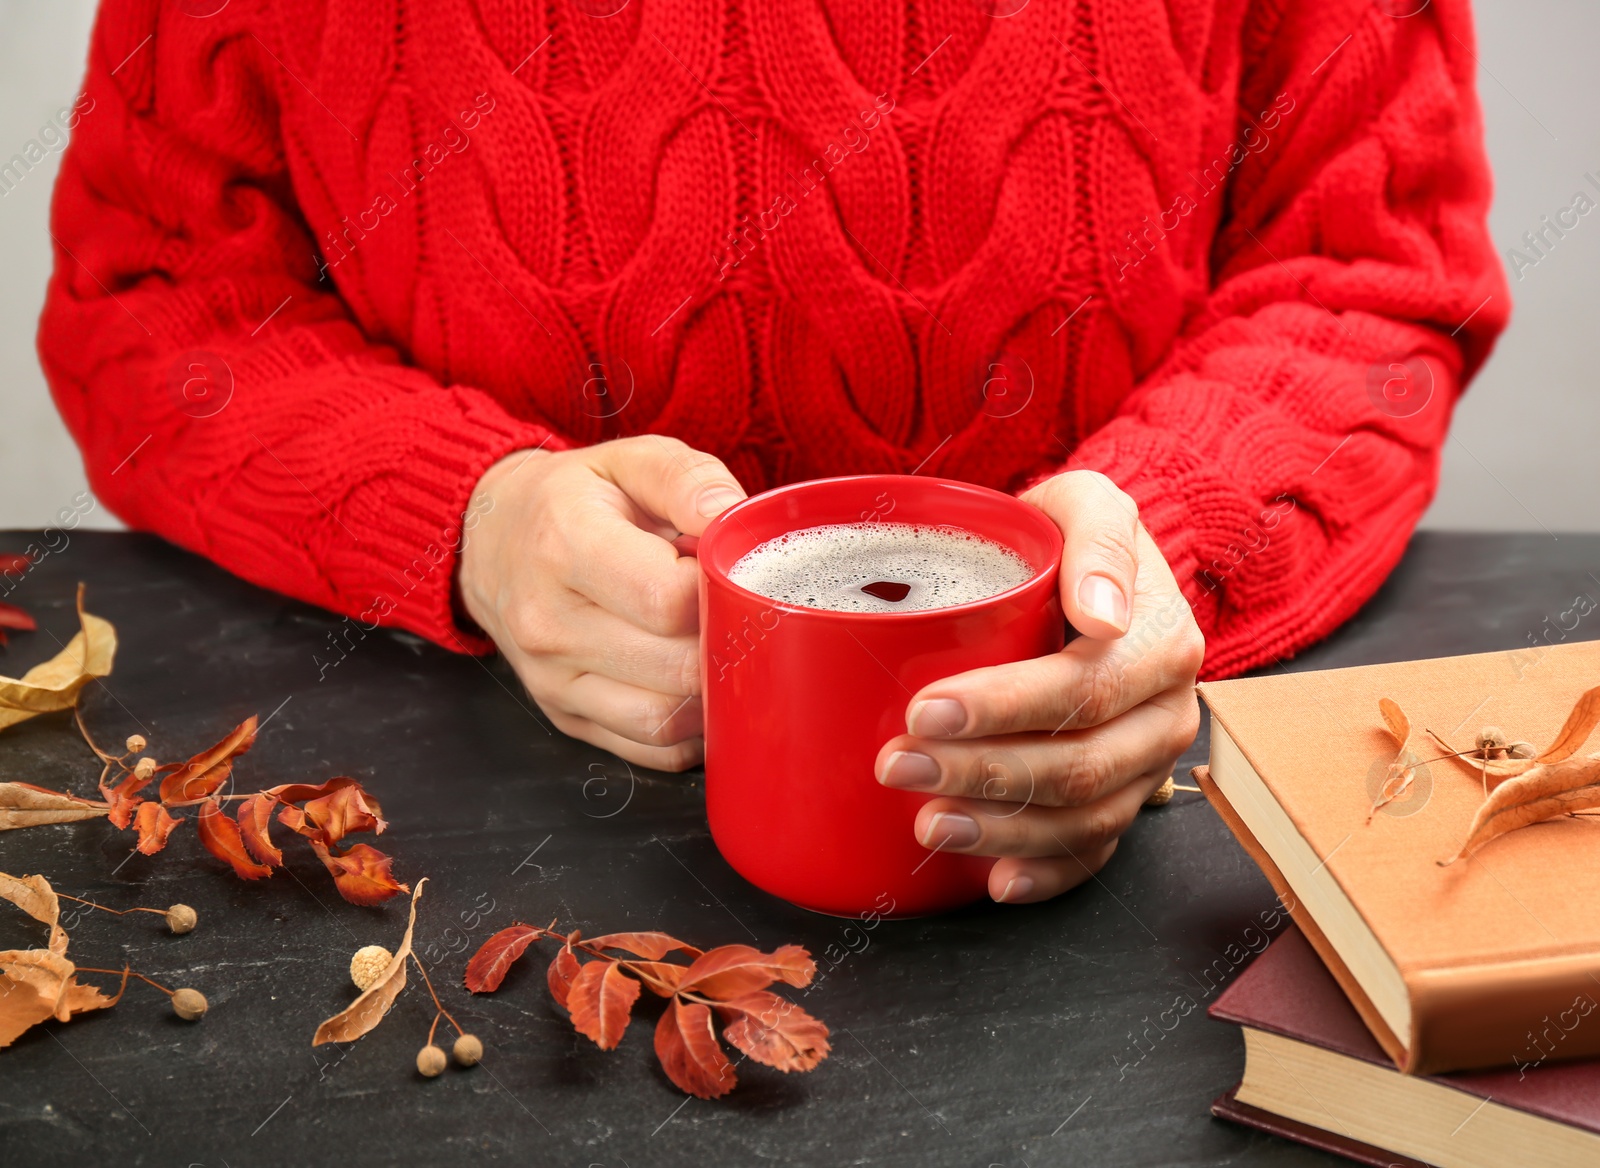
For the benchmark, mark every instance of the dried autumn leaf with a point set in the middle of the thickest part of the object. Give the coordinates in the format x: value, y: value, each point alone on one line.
x: 1579, y: 725
x: 775, y: 1031
x: 368, y: 1010
x: 563, y: 968
x: 299, y: 792
x: 1548, y: 790
x: 34, y: 896
x: 661, y: 978
x: 343, y: 812
x: 496, y: 956
x: 24, y: 805
x: 601, y: 999
x: 1495, y: 770
x: 22, y: 1007
x: 361, y: 873
x: 56, y: 683
x: 686, y: 1044
x: 155, y: 824
x: 255, y: 818
x: 15, y: 561
x: 203, y: 774
x: 1403, y: 769
x: 125, y: 798
x: 650, y: 946
x: 47, y: 972
x: 221, y: 838
x: 730, y: 971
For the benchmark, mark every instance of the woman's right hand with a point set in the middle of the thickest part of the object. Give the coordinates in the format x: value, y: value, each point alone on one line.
x: 573, y: 573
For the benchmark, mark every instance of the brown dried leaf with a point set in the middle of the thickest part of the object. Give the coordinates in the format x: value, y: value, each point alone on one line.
x: 34, y: 896
x: 496, y: 956
x: 255, y: 819
x: 731, y: 971
x: 563, y: 968
x: 1579, y: 725
x: 203, y: 774
x: 24, y: 805
x: 368, y: 1010
x: 222, y: 839
x: 362, y: 874
x: 56, y: 683
x: 1546, y: 791
x: 650, y: 946
x: 22, y: 1007
x: 1403, y: 769
x: 155, y: 824
x: 775, y: 1031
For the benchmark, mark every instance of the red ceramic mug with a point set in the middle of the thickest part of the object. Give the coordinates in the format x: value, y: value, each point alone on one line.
x: 798, y: 701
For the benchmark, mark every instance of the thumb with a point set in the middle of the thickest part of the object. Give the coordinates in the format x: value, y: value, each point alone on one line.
x: 1099, y: 561
x: 670, y: 479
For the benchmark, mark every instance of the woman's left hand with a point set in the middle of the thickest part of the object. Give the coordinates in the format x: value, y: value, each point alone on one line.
x: 1045, y: 763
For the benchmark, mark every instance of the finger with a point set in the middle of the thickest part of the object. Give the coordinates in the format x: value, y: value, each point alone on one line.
x: 632, y: 573
x: 1018, y: 881
x: 1100, y: 557
x: 678, y: 757
x: 639, y: 715
x: 585, y: 638
x: 979, y: 827
x: 1070, y: 769
x: 669, y: 479
x: 1087, y: 683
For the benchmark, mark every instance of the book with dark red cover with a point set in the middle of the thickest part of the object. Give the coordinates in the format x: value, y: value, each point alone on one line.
x: 1288, y: 991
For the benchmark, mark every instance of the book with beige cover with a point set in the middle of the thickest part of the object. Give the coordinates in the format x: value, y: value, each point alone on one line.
x: 1491, y: 961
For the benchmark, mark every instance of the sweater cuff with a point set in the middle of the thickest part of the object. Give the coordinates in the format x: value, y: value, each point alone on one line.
x: 414, y: 546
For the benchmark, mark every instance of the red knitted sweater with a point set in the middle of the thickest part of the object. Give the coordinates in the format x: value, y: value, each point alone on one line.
x: 321, y: 262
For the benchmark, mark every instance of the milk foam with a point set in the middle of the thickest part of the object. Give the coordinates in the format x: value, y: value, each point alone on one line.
x: 827, y: 567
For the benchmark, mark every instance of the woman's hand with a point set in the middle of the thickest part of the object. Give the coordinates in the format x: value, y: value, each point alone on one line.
x: 573, y: 573
x: 1045, y: 763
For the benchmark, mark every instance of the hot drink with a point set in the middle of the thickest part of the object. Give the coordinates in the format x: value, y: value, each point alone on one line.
x: 879, y: 567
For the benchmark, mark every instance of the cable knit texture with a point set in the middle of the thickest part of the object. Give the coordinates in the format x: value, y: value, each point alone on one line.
x: 321, y: 262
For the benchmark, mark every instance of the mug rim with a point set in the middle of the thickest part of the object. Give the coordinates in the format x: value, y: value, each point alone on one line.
x: 1034, y: 581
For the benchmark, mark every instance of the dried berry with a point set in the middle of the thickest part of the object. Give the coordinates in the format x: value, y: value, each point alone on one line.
x: 181, y: 918
x: 190, y: 1005
x: 1522, y: 750
x: 144, y: 768
x: 1491, y: 742
x: 431, y: 1060
x: 135, y: 743
x: 1162, y: 795
x: 468, y: 1050
x: 367, y: 966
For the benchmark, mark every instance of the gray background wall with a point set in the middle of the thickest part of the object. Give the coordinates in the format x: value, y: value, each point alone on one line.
x: 1523, y: 455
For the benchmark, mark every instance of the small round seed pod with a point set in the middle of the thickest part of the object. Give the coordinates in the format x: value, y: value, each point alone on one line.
x: 144, y: 768
x: 135, y: 743
x: 367, y: 966
x: 1162, y: 795
x: 468, y: 1050
x: 1522, y: 750
x: 431, y: 1060
x: 190, y: 1005
x: 181, y: 918
x: 1491, y: 742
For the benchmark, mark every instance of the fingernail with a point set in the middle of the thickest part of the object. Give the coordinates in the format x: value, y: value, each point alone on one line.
x: 951, y: 829
x: 1019, y: 887
x: 1102, y: 599
x: 717, y: 500
x: 910, y: 771
x: 939, y: 718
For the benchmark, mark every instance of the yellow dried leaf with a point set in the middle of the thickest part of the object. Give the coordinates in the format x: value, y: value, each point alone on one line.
x: 55, y: 684
x: 1580, y: 724
x: 368, y: 1010
x: 24, y: 805
x: 1546, y: 791
x: 34, y: 896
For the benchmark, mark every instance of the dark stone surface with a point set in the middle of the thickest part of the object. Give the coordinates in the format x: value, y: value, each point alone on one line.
x: 992, y: 1036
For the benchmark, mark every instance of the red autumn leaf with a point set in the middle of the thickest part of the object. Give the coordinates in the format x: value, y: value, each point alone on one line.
x: 208, y: 770
x: 295, y: 820
x: 343, y: 812
x: 221, y: 837
x: 155, y: 825
x: 650, y: 946
x: 661, y: 978
x: 686, y: 1044
x: 255, y: 822
x: 496, y: 956
x: 12, y: 617
x: 730, y: 971
x: 361, y: 873
x: 122, y: 807
x: 560, y: 974
x: 15, y: 561
x: 601, y: 998
x: 299, y: 792
x: 775, y: 1031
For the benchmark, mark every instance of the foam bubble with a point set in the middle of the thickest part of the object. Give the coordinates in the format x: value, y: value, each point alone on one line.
x: 827, y: 567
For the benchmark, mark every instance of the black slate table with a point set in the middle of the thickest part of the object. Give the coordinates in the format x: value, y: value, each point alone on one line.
x: 992, y: 1036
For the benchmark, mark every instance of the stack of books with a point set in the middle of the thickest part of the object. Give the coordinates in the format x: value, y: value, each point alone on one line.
x: 1429, y: 1007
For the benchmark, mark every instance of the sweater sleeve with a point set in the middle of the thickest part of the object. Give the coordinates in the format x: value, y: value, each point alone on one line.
x: 221, y: 391
x: 1284, y: 450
